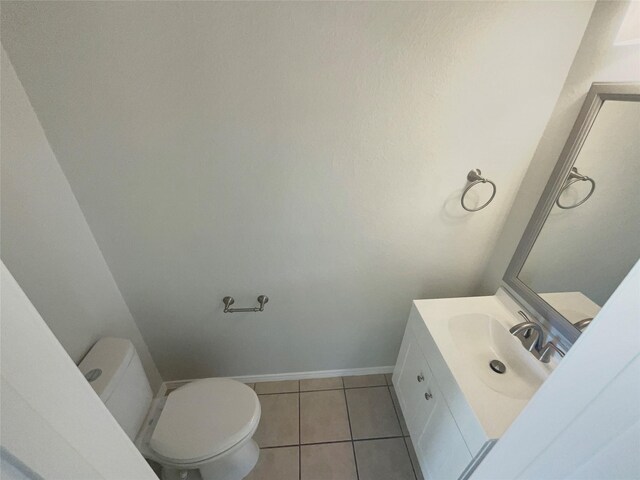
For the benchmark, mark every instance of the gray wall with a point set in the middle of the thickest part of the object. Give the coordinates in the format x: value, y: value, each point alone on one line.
x: 591, y: 248
x: 597, y: 60
x: 46, y: 242
x: 311, y: 151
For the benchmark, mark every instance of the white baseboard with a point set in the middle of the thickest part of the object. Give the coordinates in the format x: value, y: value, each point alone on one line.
x: 347, y: 372
x: 273, y: 377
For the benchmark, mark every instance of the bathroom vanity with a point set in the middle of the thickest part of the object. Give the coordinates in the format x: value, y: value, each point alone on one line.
x: 454, y: 404
x: 467, y: 367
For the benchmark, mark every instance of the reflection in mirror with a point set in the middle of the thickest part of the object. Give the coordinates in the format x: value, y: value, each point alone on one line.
x: 586, y: 247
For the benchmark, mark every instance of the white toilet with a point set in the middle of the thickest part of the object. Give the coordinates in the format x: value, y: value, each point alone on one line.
x: 202, y: 430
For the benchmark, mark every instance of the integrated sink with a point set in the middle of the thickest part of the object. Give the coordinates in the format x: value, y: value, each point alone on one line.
x: 460, y: 338
x: 481, y: 339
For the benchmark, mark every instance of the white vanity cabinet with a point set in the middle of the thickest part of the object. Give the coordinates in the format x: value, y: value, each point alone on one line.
x: 440, y: 445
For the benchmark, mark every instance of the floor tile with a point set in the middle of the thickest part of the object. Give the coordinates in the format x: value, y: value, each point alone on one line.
x: 276, y: 464
x: 320, y: 384
x: 283, y: 386
x: 279, y: 423
x: 364, y: 381
x: 323, y: 417
x: 329, y: 461
x: 383, y: 460
x: 388, y: 378
x: 414, y: 459
x: 396, y: 404
x: 251, y: 385
x: 371, y: 413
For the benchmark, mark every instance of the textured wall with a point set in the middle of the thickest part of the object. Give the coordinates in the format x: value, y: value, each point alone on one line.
x: 597, y: 60
x: 46, y: 242
x: 313, y: 152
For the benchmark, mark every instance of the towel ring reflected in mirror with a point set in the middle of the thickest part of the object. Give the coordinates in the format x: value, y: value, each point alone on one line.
x: 474, y: 178
x: 574, y: 177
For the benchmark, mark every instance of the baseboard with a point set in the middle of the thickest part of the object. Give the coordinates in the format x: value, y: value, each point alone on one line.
x: 347, y: 372
x: 274, y: 377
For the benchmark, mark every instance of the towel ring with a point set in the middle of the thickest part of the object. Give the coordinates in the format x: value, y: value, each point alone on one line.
x: 574, y: 177
x: 474, y: 178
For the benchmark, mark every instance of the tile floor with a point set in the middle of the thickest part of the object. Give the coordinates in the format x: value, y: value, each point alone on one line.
x: 343, y: 428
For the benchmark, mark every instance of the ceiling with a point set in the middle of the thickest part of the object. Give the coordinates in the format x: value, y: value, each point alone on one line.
x: 313, y: 152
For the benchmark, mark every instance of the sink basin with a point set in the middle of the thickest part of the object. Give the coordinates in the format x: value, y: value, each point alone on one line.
x: 462, y: 336
x: 481, y: 338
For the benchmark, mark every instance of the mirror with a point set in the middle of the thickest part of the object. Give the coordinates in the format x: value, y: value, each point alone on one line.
x: 584, y: 236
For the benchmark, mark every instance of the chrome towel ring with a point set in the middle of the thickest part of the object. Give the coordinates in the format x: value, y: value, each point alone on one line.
x: 474, y: 178
x: 574, y: 177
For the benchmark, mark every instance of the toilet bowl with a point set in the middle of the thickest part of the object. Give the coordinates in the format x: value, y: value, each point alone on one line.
x: 206, y: 425
x: 202, y: 430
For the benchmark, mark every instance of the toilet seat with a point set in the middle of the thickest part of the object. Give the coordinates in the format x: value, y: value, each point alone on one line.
x: 205, y: 418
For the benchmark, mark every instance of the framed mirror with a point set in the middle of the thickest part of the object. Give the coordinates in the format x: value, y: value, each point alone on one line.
x: 584, y: 235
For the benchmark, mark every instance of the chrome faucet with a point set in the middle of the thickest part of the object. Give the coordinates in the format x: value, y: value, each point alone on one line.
x: 531, y: 336
x: 582, y: 324
x: 548, y: 350
x: 529, y: 333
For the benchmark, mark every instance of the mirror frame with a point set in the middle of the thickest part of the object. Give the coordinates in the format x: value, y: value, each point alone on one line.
x: 548, y: 316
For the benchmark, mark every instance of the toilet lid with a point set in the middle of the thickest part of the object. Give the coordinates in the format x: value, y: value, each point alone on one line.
x: 204, y: 418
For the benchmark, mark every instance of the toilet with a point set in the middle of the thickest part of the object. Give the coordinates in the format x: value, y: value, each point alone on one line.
x: 202, y: 430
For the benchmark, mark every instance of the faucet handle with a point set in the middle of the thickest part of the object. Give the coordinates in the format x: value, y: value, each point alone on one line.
x: 545, y: 354
x: 530, y: 335
x: 582, y: 324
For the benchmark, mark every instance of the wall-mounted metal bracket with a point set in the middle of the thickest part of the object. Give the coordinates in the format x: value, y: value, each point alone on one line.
x: 228, y: 301
x: 474, y: 178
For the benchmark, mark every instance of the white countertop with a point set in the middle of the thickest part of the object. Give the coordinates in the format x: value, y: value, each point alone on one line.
x: 494, y: 411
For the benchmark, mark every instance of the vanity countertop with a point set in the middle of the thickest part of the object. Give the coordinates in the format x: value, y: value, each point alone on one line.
x: 468, y: 333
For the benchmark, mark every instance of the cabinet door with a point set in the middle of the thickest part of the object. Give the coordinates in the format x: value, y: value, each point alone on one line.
x: 411, y: 382
x: 442, y: 451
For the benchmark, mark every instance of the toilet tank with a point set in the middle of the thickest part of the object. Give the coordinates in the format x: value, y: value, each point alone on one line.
x: 115, y: 372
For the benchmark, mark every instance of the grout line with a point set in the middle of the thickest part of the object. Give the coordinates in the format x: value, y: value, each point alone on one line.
x: 396, y: 411
x: 404, y: 439
x: 277, y: 393
x: 274, y: 393
x: 366, y: 386
x: 377, y: 438
x: 323, y: 390
x: 323, y: 443
x: 353, y: 445
x: 355, y: 459
x: 331, y: 441
x: 406, y: 445
x: 280, y: 446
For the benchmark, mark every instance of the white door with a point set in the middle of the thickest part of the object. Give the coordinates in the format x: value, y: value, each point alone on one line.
x: 53, y: 424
